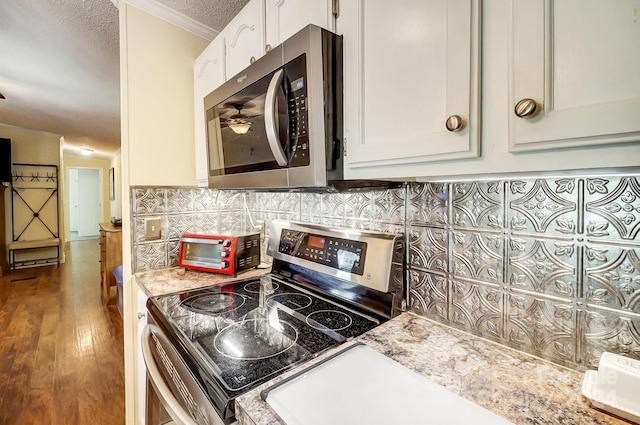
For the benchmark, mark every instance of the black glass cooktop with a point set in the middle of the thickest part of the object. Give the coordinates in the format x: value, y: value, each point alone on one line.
x: 240, y: 344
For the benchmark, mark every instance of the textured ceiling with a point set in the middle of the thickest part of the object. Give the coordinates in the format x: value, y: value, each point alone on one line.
x: 59, y: 65
x: 215, y: 14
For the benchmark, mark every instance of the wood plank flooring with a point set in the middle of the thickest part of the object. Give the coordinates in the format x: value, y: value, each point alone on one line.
x: 61, y: 349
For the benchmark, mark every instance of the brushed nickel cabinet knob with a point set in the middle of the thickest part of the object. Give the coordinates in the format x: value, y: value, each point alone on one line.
x: 252, y: 60
x: 526, y: 108
x: 455, y: 123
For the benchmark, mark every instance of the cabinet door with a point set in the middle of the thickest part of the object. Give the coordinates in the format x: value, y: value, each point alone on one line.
x: 208, y: 74
x: 579, y: 60
x: 244, y: 38
x: 408, y: 67
x: 286, y: 17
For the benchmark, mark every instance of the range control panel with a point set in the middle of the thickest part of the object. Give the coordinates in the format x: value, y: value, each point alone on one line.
x: 341, y: 254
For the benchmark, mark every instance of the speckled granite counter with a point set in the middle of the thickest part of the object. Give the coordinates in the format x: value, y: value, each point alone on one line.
x: 176, y: 279
x: 517, y: 386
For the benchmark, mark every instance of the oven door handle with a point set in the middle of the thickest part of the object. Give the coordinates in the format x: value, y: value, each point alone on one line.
x: 168, y: 400
x: 270, y: 115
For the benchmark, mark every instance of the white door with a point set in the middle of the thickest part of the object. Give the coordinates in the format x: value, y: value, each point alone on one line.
x: 409, y: 67
x: 579, y: 61
x: 89, y: 205
x: 244, y: 38
x: 286, y: 17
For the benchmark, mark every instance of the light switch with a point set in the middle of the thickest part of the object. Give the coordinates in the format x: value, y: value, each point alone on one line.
x: 152, y: 228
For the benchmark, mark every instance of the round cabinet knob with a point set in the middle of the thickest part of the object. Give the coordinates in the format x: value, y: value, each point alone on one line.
x: 141, y: 315
x: 526, y: 108
x: 252, y: 60
x: 267, y: 48
x: 455, y: 123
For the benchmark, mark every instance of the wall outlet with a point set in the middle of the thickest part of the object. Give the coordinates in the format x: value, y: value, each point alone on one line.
x: 152, y: 228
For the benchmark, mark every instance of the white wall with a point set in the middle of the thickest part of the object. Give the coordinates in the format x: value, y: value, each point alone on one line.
x: 156, y: 92
x: 157, y: 78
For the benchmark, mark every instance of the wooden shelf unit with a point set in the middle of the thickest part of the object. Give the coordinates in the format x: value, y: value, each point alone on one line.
x: 110, y: 257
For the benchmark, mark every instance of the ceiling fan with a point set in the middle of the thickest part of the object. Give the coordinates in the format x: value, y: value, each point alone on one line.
x: 239, y: 123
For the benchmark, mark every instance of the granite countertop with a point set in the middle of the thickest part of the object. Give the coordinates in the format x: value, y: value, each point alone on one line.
x: 517, y: 386
x: 177, y: 279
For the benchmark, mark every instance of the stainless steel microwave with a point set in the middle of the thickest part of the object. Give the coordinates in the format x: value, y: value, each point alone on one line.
x: 278, y: 123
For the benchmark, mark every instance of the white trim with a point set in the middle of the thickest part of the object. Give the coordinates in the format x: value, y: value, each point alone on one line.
x: 152, y: 7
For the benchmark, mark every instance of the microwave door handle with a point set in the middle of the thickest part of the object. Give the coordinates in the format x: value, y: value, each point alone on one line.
x: 270, y: 119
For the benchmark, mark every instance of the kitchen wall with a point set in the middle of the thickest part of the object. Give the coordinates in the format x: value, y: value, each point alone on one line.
x: 546, y: 265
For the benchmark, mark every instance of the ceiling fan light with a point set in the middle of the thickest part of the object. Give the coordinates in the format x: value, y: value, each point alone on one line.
x: 240, y: 128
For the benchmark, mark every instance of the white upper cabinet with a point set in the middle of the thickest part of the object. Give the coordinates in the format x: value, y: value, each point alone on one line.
x: 208, y: 74
x: 263, y: 24
x: 244, y: 38
x: 579, y: 62
x: 411, y: 83
x: 286, y: 17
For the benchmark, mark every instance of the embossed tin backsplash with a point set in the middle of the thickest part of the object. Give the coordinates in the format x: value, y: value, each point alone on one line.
x: 548, y: 266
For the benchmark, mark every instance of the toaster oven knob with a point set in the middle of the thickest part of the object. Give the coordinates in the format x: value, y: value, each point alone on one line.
x: 224, y: 264
x: 224, y: 254
x: 226, y: 243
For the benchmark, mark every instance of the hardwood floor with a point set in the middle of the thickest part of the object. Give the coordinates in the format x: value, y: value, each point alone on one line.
x: 61, y: 350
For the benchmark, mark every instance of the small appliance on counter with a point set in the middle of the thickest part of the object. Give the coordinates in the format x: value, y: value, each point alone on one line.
x: 224, y: 254
x: 614, y: 386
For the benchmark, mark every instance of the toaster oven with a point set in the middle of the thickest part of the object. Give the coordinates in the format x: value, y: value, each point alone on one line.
x: 224, y: 254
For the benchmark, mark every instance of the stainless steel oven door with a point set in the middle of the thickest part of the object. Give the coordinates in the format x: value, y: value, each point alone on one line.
x: 173, y: 394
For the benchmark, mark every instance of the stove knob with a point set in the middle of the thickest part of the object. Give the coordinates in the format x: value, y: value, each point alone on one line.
x: 226, y: 243
x: 224, y: 254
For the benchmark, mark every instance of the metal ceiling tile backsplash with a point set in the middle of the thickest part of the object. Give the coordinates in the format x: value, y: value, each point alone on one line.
x: 548, y: 266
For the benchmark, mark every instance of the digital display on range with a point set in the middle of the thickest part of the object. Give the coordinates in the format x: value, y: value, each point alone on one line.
x: 316, y: 242
x: 342, y: 254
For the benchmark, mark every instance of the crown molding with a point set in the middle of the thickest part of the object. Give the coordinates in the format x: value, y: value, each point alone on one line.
x: 152, y: 7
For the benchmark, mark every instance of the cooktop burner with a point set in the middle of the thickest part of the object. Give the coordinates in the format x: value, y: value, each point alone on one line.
x: 254, y: 287
x: 330, y: 319
x: 213, y: 303
x: 255, y: 339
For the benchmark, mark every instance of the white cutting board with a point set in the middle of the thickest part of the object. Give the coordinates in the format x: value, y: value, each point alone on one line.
x: 362, y: 386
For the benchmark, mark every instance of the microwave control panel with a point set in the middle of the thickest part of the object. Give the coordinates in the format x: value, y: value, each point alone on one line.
x: 338, y: 253
x: 296, y: 72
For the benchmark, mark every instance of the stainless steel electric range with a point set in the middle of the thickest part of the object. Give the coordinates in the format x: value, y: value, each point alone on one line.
x: 326, y: 286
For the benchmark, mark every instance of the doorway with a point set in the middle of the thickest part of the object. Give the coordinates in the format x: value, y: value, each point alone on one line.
x: 85, y: 203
